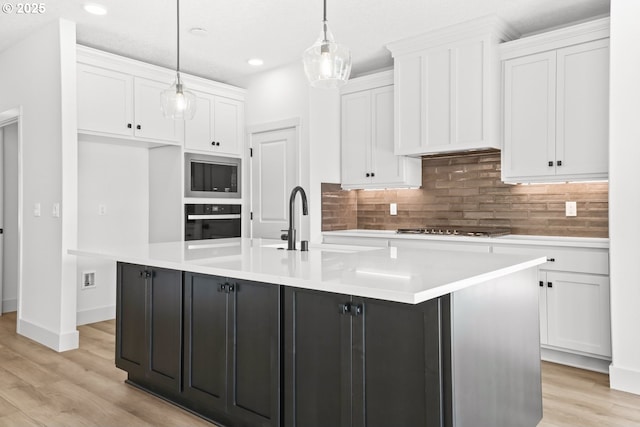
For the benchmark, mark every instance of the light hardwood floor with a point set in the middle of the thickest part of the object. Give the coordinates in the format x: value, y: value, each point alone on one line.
x: 39, y: 387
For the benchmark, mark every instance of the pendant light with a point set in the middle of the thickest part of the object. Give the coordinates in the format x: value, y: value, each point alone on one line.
x: 177, y: 102
x: 327, y: 63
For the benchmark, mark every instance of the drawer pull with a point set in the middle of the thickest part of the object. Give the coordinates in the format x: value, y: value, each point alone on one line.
x: 541, y: 284
x: 550, y: 284
x: 551, y: 259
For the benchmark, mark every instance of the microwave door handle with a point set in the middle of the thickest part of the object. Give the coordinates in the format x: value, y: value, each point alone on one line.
x: 196, y: 217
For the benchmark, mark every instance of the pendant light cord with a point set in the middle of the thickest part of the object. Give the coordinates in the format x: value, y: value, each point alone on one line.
x: 178, y: 38
x: 324, y: 20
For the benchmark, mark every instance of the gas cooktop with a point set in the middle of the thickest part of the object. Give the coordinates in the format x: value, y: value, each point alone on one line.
x: 457, y: 231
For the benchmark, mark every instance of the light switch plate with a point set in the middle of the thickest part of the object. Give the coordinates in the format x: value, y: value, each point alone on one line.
x: 36, y: 209
x: 571, y: 209
x: 393, y: 209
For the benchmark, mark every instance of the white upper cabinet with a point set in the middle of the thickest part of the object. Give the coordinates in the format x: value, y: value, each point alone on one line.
x: 113, y: 114
x: 119, y: 99
x: 116, y: 104
x: 368, y: 159
x: 447, y: 88
x: 218, y: 126
x: 556, y: 105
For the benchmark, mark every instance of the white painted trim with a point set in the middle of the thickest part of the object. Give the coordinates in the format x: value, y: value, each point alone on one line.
x: 550, y: 40
x: 9, y: 305
x: 624, y: 379
x: 271, y: 126
x: 56, y: 341
x: 575, y: 360
x: 371, y: 81
x: 94, y: 315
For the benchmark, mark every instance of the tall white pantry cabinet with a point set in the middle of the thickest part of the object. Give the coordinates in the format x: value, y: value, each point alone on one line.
x: 556, y: 105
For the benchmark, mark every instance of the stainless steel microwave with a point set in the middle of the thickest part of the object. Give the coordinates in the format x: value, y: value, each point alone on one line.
x: 212, y: 176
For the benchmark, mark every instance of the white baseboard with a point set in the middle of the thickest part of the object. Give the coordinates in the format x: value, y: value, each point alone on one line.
x: 624, y: 379
x: 575, y: 360
x: 94, y: 315
x: 9, y: 305
x: 56, y: 341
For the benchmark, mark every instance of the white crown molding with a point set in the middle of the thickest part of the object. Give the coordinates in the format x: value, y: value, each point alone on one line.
x: 370, y: 81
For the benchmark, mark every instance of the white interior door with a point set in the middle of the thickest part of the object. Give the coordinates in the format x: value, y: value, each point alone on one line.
x: 273, y: 176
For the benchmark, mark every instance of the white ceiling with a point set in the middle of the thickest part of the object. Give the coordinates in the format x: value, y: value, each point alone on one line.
x: 278, y: 31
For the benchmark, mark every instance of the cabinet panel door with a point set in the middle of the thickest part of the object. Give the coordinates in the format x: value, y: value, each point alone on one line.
x: 165, y: 328
x: 529, y: 116
x: 317, y: 376
x: 131, y: 301
x: 205, y: 342
x: 198, y: 134
x: 105, y: 101
x: 396, y: 367
x: 583, y: 109
x: 255, y: 353
x: 228, y: 127
x: 438, y: 97
x: 356, y: 138
x: 148, y: 114
x: 388, y: 167
x: 469, y: 99
x: 578, y: 312
x: 409, y: 84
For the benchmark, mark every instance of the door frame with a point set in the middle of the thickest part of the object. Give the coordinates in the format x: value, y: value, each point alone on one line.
x: 10, y: 117
x: 294, y: 123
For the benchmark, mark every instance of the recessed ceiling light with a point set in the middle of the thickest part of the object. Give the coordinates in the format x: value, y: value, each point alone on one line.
x: 95, y: 9
x: 255, y: 62
x: 198, y: 31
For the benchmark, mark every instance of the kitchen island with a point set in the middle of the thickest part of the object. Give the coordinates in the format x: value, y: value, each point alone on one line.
x: 245, y: 333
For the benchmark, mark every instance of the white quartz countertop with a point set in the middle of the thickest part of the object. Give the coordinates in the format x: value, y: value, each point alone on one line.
x: 393, y: 274
x: 511, y: 239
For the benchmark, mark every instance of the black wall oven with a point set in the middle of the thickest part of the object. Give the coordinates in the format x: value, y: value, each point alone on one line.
x: 209, y: 221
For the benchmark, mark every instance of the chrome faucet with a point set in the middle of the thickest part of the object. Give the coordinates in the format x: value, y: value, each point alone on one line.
x: 291, y: 238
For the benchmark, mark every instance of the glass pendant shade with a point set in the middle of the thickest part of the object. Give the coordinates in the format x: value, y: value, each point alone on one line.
x: 177, y: 102
x: 327, y: 63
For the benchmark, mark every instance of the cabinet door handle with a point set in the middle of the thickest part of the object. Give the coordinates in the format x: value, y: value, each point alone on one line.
x: 129, y: 125
x: 356, y: 309
x: 217, y: 144
x: 550, y: 284
x: 551, y: 259
x: 368, y: 174
x: 145, y: 274
x: 222, y: 287
x: 559, y: 162
x: 550, y: 164
x: 344, y: 308
x: 138, y: 127
x: 373, y: 174
x: 541, y: 284
x: 231, y: 287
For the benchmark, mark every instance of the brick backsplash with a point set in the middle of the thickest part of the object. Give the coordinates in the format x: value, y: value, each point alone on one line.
x: 466, y: 190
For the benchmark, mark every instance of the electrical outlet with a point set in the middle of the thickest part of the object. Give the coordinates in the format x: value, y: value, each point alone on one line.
x: 393, y: 209
x: 88, y: 279
x: 571, y: 209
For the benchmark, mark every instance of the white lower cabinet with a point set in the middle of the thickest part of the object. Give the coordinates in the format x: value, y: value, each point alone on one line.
x: 577, y: 312
x: 574, y: 298
x: 575, y: 316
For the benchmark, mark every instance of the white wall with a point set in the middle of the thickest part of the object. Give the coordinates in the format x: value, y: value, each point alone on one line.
x: 284, y: 93
x: 37, y: 75
x: 624, y: 196
x: 116, y: 177
x: 10, y: 220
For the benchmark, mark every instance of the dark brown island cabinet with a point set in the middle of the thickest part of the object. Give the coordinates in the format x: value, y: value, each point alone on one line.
x: 251, y: 354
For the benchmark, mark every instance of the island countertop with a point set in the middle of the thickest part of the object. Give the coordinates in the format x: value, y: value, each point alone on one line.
x: 393, y: 274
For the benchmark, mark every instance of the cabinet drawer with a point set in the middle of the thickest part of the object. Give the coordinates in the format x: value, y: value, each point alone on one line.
x: 581, y: 260
x: 439, y: 245
x: 357, y: 241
